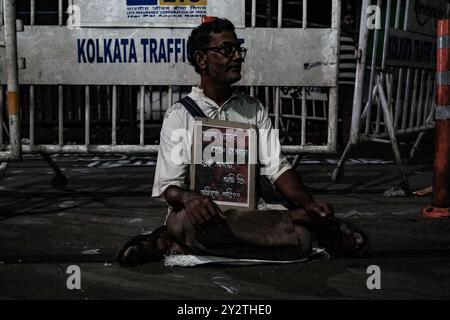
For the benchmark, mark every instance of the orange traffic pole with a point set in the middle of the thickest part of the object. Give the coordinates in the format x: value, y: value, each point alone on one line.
x: 441, y: 183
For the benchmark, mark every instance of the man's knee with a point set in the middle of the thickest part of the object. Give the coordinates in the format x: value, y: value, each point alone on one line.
x: 177, y: 225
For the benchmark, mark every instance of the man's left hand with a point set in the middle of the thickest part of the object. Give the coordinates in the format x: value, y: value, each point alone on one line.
x: 319, y: 208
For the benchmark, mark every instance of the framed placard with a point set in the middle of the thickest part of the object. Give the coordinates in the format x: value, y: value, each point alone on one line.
x: 223, y: 162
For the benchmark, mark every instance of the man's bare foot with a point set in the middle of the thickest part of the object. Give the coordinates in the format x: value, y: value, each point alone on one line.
x: 356, y: 244
x: 340, y: 237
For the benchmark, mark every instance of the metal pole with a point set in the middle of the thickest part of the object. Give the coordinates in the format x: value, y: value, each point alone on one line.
x: 266, y: 97
x: 303, y: 137
x: 389, y: 82
x: 160, y: 100
x: 387, y: 79
x: 277, y: 107
x: 69, y: 106
x: 32, y: 12
x: 114, y: 116
x: 441, y: 183
x: 253, y: 13
x: 170, y: 97
x: 392, y: 135
x: 268, y: 13
x: 32, y: 115
x: 414, y: 99
x: 87, y: 116
x: 386, y: 33
x: 108, y: 102
x: 32, y: 101
x: 359, y: 78
x: 142, y: 114
x: 378, y: 119
x: 79, y: 116
x: 1, y: 116
x: 398, y: 96
x: 332, y: 118
x: 397, y: 14
x: 60, y: 12
x: 60, y: 115
x: 373, y: 74
x: 12, y: 79
x: 405, y: 24
x: 420, y: 106
x: 152, y: 111
x: 305, y: 14
x: 99, y: 105
x: 400, y: 71
x: 334, y: 91
x: 100, y: 149
x: 1, y: 13
x: 427, y: 97
x: 406, y: 102
x: 280, y: 14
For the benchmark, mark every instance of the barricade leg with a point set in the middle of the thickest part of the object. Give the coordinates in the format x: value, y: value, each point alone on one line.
x: 338, y: 172
x: 390, y: 128
x: 59, y: 182
x: 416, y: 145
x: 3, y: 167
x: 297, y: 160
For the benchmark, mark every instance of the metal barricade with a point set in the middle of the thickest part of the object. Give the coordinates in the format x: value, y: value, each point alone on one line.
x: 67, y: 80
x: 395, y: 98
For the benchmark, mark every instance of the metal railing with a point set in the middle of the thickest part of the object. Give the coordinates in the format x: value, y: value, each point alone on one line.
x: 56, y: 102
x: 394, y: 91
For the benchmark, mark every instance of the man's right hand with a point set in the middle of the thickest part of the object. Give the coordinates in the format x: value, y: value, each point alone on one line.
x: 202, y: 209
x: 198, y: 209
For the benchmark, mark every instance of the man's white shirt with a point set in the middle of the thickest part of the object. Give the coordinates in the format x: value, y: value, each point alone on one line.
x: 174, y: 155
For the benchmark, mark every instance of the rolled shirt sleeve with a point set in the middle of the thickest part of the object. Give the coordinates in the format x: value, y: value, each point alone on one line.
x: 172, y: 167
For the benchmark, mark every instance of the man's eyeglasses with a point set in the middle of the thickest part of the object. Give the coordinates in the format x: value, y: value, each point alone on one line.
x: 229, y: 50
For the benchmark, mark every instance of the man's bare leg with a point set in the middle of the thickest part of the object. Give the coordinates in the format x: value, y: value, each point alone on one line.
x: 271, y: 229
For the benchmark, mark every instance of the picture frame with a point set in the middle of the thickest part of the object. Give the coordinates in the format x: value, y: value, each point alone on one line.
x: 223, y: 162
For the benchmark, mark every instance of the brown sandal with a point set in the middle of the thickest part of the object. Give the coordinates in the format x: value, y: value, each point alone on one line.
x: 144, y: 248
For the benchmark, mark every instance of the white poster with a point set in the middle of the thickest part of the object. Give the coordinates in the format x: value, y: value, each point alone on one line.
x: 155, y: 13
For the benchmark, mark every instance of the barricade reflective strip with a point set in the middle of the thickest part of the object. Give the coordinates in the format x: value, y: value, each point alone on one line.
x: 443, y: 113
x: 443, y: 78
x: 443, y: 42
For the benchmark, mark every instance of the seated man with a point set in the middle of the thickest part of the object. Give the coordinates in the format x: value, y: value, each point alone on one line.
x: 195, y: 223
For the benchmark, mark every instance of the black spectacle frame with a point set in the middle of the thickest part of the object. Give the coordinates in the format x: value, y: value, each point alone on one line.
x: 229, y: 50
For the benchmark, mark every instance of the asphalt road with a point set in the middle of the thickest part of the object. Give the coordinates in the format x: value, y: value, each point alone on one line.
x: 43, y: 231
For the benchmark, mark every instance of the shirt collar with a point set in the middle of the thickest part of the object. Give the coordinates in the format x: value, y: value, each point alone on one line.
x: 198, y: 92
